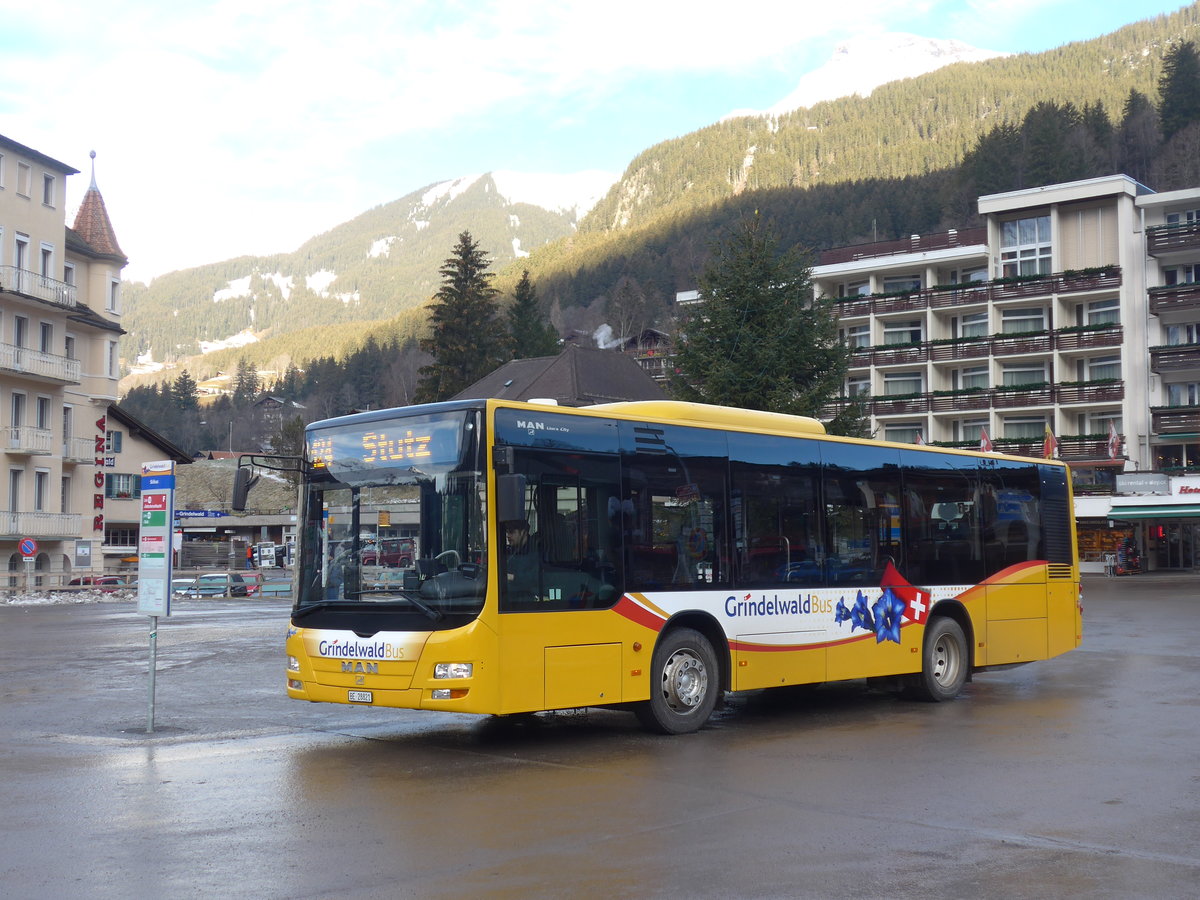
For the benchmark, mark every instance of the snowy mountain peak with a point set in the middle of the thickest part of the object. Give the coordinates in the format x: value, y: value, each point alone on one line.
x: 863, y: 63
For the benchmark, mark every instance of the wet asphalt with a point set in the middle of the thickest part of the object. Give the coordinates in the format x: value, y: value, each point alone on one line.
x: 1073, y: 777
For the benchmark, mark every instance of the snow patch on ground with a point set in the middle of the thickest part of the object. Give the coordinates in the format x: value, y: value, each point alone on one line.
x: 55, y: 598
x: 239, y: 287
x: 241, y: 339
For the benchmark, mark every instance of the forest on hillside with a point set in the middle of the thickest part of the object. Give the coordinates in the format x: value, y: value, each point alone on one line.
x: 628, y: 279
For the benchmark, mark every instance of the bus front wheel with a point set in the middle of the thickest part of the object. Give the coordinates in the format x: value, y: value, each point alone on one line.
x: 944, y: 662
x: 685, y: 681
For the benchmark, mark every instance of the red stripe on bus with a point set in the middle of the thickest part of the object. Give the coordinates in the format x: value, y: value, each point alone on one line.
x: 635, y: 612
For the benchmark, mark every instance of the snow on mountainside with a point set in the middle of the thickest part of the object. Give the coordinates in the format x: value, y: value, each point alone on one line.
x: 862, y: 64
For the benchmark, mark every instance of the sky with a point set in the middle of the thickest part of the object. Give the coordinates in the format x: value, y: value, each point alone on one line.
x: 231, y: 127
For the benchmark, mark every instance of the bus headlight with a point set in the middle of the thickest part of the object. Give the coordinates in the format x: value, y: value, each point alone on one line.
x: 293, y: 664
x: 453, y: 670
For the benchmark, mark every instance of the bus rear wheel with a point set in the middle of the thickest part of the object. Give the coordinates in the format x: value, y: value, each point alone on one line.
x: 944, y: 662
x: 685, y: 683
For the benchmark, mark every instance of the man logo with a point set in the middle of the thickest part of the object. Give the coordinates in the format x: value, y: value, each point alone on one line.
x: 369, y: 668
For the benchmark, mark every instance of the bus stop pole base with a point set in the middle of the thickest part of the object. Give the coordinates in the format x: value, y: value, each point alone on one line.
x: 153, y: 668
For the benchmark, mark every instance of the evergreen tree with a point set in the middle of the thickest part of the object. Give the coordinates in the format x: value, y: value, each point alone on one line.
x: 245, y: 383
x: 184, y: 392
x: 467, y: 339
x: 758, y: 339
x: 1179, y: 89
x: 1138, y: 137
x: 532, y: 335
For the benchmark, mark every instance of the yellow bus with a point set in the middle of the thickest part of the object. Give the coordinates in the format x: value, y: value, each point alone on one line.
x: 653, y: 555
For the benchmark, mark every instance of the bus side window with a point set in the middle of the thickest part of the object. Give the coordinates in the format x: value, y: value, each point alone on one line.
x: 862, y: 512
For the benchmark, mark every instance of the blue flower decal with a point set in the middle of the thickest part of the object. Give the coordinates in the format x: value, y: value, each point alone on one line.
x: 860, y: 616
x: 888, y: 609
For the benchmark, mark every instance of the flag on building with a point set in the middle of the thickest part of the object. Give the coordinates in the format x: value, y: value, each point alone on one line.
x: 1114, y: 442
x: 920, y: 439
x: 1049, y: 444
x: 985, y: 442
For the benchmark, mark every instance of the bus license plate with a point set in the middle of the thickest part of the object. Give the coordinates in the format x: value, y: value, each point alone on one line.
x: 359, y: 696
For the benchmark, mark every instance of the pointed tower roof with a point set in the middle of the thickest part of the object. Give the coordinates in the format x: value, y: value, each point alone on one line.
x: 93, y: 225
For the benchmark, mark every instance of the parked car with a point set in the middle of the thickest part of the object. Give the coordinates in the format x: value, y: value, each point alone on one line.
x: 106, y: 583
x: 216, y: 584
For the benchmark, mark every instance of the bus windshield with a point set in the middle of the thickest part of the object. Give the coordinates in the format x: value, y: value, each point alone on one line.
x: 394, y: 523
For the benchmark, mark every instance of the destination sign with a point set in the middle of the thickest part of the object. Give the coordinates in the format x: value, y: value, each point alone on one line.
x: 417, y: 442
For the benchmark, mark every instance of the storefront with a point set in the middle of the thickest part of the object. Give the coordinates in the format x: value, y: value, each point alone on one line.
x: 1165, y: 516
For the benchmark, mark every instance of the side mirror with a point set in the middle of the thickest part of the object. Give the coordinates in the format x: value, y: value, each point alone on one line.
x: 510, y: 498
x: 242, y: 479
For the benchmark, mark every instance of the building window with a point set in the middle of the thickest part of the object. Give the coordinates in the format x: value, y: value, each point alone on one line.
x: 41, y: 489
x: 1178, y: 335
x: 43, y: 413
x: 47, y: 269
x: 48, y: 190
x: 902, y: 433
x: 20, y: 330
x: 114, y: 295
x: 966, y: 276
x: 1023, y: 373
x: 1173, y: 275
x: 112, y: 441
x: 69, y: 346
x: 1023, y: 428
x: 1023, y: 321
x: 122, y: 487
x: 69, y: 273
x: 859, y: 386
x: 899, y: 384
x: 854, y: 289
x: 17, y: 419
x: 65, y: 499
x: 969, y: 429
x: 113, y: 360
x: 1187, y: 217
x: 971, y: 377
x: 1025, y: 247
x: 120, y: 536
x: 1102, y: 312
x: 974, y: 325
x: 1101, y: 368
x: 24, y: 179
x: 1183, y: 394
x: 911, y: 332
x: 46, y: 337
x: 16, y: 478
x: 1097, y: 422
x: 895, y: 284
x: 858, y: 336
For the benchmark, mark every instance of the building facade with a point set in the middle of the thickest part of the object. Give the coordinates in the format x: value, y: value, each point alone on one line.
x: 1068, y: 323
x: 60, y: 313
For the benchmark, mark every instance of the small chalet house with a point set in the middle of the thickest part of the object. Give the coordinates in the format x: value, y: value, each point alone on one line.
x: 576, y: 377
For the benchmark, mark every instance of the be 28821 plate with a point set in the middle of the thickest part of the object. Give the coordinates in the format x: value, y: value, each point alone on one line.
x: 359, y: 696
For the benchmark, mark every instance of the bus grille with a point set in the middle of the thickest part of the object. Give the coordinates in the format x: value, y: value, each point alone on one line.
x: 1058, y: 570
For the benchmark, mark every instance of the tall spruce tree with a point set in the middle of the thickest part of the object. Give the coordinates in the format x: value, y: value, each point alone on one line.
x: 467, y: 339
x: 184, y: 392
x: 1179, y: 89
x: 758, y: 339
x: 532, y: 335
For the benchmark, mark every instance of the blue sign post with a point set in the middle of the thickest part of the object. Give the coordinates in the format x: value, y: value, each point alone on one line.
x: 154, y: 557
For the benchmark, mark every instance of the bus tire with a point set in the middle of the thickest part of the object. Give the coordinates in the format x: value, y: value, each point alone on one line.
x: 685, y: 682
x: 944, y: 662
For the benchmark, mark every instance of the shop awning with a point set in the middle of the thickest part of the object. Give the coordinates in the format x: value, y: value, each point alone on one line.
x: 1165, y: 511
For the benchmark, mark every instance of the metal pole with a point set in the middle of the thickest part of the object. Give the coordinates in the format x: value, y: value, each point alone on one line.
x: 153, y: 667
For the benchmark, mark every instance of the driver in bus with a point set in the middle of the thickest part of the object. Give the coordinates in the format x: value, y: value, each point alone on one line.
x: 521, y: 561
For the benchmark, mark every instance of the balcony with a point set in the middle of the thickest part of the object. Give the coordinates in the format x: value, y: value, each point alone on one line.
x: 953, y: 401
x: 37, y: 287
x: 1177, y: 358
x: 42, y: 525
x: 1090, y: 392
x: 961, y: 348
x: 1175, y: 419
x: 39, y: 364
x: 907, y: 405
x: 1087, y: 337
x: 1174, y: 298
x: 1022, y: 344
x: 27, y: 439
x: 78, y: 450
x: 899, y: 354
x: 1162, y: 239
x: 1022, y: 395
x: 1083, y: 447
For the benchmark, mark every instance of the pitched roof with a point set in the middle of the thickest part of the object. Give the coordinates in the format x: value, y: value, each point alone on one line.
x: 138, y: 428
x: 93, y: 226
x: 575, y: 377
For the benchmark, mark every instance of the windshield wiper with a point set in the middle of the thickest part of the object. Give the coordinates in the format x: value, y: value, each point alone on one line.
x: 435, y: 614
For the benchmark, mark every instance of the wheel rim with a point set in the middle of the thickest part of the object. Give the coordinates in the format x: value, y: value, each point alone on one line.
x: 947, y: 661
x: 684, y: 681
